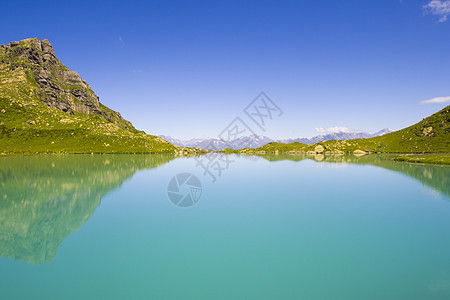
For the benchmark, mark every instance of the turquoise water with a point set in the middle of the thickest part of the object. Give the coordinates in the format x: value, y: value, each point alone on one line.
x: 270, y: 227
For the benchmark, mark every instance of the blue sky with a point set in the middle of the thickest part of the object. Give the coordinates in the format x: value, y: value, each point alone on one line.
x: 188, y: 68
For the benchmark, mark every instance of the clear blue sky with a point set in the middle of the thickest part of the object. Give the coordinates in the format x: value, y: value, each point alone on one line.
x: 188, y: 68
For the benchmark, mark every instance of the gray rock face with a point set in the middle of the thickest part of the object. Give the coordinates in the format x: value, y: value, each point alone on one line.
x: 60, y: 88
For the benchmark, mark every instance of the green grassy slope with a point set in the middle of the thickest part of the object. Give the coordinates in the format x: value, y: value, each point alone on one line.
x: 439, y: 159
x: 46, y: 108
x: 431, y: 135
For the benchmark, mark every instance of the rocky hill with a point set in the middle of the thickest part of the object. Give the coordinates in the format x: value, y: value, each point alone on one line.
x: 47, y: 108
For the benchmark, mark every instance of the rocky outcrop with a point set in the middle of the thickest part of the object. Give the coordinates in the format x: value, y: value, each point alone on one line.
x: 59, y: 87
x: 428, y: 131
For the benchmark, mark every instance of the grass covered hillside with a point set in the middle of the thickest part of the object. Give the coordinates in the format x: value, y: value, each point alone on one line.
x: 431, y: 135
x: 47, y: 108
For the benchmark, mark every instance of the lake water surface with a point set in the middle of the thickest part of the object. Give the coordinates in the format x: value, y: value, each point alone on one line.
x: 269, y: 227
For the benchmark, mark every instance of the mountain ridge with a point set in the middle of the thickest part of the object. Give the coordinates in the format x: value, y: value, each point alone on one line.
x: 256, y: 141
x: 47, y: 108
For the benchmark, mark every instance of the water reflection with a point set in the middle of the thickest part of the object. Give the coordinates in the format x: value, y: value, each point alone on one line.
x: 43, y: 199
x: 434, y: 176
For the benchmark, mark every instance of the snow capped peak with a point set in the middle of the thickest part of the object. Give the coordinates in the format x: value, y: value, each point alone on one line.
x: 255, y: 141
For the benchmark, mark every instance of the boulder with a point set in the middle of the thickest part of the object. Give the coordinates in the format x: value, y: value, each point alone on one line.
x: 319, y: 149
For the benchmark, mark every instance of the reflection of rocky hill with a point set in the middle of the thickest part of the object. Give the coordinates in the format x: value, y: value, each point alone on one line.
x: 44, y: 199
x: 435, y: 176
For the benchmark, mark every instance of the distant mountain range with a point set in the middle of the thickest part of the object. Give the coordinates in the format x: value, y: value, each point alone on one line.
x: 255, y: 141
x: 337, y: 136
x: 252, y: 141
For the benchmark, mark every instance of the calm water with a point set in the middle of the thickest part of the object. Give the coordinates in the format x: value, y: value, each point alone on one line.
x: 272, y: 227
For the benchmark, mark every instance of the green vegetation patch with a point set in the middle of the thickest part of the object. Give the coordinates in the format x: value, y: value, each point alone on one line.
x: 441, y: 159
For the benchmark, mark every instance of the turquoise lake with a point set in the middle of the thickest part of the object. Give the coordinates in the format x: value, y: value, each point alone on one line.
x: 269, y: 227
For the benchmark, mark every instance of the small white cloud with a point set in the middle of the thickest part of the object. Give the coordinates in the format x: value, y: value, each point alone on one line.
x: 120, y: 39
x: 338, y: 129
x: 436, y: 100
x: 438, y: 8
x: 320, y: 129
